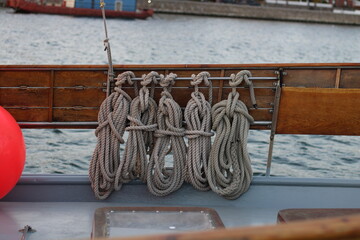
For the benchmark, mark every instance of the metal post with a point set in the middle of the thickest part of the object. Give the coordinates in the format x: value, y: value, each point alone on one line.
x: 274, y: 121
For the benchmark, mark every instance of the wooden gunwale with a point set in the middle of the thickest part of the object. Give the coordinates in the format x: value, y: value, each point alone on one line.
x: 75, y: 92
x: 213, y: 66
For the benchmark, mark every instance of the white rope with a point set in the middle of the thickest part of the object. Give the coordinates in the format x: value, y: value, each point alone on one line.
x: 198, y: 124
x: 160, y: 180
x: 229, y: 170
x: 112, y: 122
x: 140, y: 139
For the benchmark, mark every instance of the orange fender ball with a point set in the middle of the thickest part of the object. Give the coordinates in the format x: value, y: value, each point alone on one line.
x: 12, y: 152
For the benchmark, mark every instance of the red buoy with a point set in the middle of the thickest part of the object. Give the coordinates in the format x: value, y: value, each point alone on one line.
x: 12, y: 152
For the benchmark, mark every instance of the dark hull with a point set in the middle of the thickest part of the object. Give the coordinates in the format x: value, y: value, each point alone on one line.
x: 30, y: 7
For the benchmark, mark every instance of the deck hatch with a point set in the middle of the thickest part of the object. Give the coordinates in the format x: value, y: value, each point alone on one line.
x: 130, y: 221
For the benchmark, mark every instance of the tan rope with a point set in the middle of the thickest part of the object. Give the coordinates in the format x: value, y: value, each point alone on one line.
x: 229, y: 170
x: 112, y: 122
x: 140, y: 139
x: 198, y: 124
x: 160, y: 180
x: 110, y: 78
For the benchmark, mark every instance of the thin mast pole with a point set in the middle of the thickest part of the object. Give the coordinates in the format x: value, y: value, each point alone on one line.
x: 110, y: 75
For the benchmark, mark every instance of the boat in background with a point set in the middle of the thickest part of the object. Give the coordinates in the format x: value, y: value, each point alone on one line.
x: 82, y: 8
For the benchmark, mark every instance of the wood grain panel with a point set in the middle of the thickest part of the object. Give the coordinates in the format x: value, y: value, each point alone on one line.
x: 89, y: 78
x: 264, y: 96
x: 69, y: 97
x: 261, y: 114
x: 24, y: 78
x: 312, y: 78
x: 75, y: 115
x: 30, y: 97
x: 319, y: 111
x: 350, y: 78
x: 29, y: 114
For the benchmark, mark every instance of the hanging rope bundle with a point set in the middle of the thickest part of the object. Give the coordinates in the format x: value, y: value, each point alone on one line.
x: 139, y: 144
x: 160, y: 180
x: 229, y: 170
x: 198, y: 124
x: 112, y: 122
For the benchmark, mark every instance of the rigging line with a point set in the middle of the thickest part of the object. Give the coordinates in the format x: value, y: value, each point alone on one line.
x: 110, y: 76
x: 197, y: 115
x: 229, y: 169
x: 161, y: 180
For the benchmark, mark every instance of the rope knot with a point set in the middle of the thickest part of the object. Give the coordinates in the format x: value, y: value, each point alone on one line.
x: 201, y: 77
x: 237, y: 79
x: 125, y: 77
x: 168, y: 81
x: 144, y: 91
x: 150, y: 78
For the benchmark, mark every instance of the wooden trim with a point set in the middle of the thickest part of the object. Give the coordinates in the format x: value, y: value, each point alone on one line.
x: 338, y: 76
x: 301, y: 214
x: 330, y: 228
x: 321, y: 111
x: 221, y: 85
x: 174, y: 66
x: 51, y: 96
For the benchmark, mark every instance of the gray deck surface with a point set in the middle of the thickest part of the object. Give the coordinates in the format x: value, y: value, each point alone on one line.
x: 61, y: 207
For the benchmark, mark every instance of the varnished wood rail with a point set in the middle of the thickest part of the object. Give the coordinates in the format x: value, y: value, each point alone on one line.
x: 69, y: 96
x: 347, y: 227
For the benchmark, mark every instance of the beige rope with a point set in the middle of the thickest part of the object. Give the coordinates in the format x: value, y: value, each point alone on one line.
x: 140, y: 139
x: 160, y: 180
x: 112, y: 122
x: 198, y: 124
x: 229, y: 170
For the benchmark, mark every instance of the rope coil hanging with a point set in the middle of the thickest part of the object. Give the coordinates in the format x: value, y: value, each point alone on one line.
x: 112, y: 122
x: 229, y: 170
x: 197, y: 116
x: 162, y: 181
x: 143, y: 124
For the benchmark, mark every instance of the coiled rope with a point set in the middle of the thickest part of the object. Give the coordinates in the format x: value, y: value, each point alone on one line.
x: 197, y: 115
x: 229, y: 170
x: 162, y: 181
x: 112, y: 122
x: 143, y: 124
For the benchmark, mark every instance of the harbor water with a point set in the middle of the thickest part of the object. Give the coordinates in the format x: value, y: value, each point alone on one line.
x: 172, y: 39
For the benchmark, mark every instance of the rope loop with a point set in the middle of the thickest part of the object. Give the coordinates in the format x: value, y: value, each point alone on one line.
x: 198, y: 79
x: 125, y: 77
x: 150, y: 78
x: 168, y: 81
x: 141, y: 130
x: 197, y: 115
x: 144, y: 94
x: 122, y: 79
x: 237, y: 79
x: 161, y: 180
x: 229, y: 171
x: 106, y: 160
